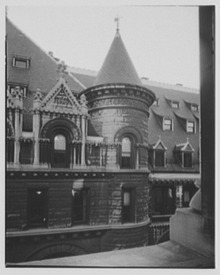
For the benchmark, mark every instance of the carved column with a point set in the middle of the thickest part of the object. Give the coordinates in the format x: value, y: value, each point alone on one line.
x: 36, y: 125
x: 18, y: 102
x: 83, y: 141
x: 84, y: 110
x: 17, y: 136
x: 137, y: 158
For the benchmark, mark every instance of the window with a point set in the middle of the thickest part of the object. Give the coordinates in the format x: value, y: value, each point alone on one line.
x: 159, y: 158
x: 59, y: 151
x: 126, y: 153
x: 80, y: 203
x: 59, y: 142
x: 175, y: 104
x: 156, y: 102
x: 20, y: 62
x: 163, y: 200
x: 190, y: 127
x: 167, y: 124
x: 37, y: 207
x: 194, y: 107
x: 128, y: 195
x: 187, y: 159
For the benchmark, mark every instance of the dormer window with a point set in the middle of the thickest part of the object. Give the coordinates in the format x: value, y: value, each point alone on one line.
x: 156, y: 102
x: 183, y: 153
x: 167, y: 124
x: 158, y: 154
x: 190, y: 127
x: 194, y: 107
x: 174, y: 104
x: 159, y: 158
x: 21, y: 62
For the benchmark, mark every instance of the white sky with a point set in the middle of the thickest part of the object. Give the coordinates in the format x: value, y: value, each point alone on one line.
x: 162, y: 41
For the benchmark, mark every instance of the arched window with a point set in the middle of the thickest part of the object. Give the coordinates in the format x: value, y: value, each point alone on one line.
x: 59, y: 151
x: 126, y: 153
x: 59, y: 142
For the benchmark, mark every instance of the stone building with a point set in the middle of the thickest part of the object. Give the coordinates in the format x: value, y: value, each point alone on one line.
x: 93, y: 162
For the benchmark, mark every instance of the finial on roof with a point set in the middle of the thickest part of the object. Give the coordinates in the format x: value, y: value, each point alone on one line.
x: 62, y: 69
x: 159, y: 137
x: 187, y: 140
x: 117, y: 19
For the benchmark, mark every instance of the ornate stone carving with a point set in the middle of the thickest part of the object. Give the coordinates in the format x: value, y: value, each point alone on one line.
x: 62, y: 69
x: 38, y: 95
x: 118, y: 101
x: 83, y: 100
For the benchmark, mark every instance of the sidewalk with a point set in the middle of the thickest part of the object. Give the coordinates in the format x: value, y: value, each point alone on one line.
x: 165, y: 255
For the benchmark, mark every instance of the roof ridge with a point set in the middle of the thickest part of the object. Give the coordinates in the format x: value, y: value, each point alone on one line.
x: 182, y: 88
x: 82, y: 71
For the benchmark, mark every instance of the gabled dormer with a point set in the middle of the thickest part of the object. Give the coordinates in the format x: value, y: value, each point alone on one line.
x: 183, y: 153
x: 157, y: 154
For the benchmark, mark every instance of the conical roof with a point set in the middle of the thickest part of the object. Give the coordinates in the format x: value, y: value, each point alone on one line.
x: 117, y: 67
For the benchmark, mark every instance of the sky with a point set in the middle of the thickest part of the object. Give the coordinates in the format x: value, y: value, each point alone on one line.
x: 162, y: 41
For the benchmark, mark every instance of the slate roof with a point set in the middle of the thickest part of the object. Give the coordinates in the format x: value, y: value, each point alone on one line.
x: 117, y: 67
x: 179, y: 135
x: 42, y: 72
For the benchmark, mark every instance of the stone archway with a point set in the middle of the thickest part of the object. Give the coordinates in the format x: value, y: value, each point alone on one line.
x: 58, y: 127
x: 129, y: 131
x: 63, y: 124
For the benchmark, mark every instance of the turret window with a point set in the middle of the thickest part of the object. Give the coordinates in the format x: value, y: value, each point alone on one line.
x: 126, y: 153
x: 128, y: 208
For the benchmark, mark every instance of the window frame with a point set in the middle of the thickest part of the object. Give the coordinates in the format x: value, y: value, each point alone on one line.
x: 174, y: 104
x: 24, y: 60
x: 43, y: 206
x: 156, y: 102
x: 194, y: 107
x: 128, y: 212
x: 184, y: 160
x: 132, y: 158
x: 55, y: 152
x: 165, y: 124
x: 156, y: 152
x: 85, y: 206
x: 190, y: 129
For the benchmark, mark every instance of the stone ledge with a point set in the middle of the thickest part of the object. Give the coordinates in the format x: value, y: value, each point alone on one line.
x: 186, y: 228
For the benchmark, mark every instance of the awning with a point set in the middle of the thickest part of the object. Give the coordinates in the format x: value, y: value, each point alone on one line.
x: 173, y: 178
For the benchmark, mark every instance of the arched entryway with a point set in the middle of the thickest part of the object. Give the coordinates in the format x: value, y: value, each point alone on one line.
x: 61, y: 133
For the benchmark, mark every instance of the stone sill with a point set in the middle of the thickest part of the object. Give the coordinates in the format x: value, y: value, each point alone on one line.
x: 75, y: 229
